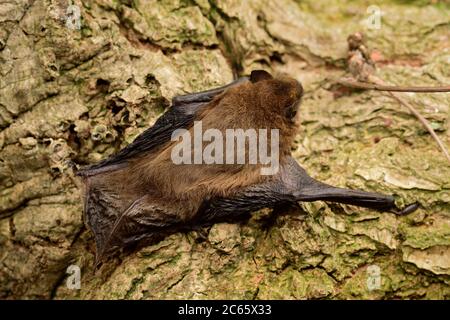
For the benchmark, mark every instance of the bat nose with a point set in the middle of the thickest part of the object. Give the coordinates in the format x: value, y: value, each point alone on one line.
x: 299, y: 90
x: 291, y: 111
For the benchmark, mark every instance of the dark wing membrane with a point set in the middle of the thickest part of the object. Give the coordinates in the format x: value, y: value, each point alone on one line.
x: 180, y: 115
x: 205, y: 96
x: 147, y: 141
x: 290, y: 185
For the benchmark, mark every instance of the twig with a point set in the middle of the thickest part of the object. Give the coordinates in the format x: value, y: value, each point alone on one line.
x: 362, y: 67
x: 378, y: 82
x: 372, y: 86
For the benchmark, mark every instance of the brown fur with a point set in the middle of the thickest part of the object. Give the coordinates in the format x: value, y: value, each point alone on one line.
x: 258, y: 105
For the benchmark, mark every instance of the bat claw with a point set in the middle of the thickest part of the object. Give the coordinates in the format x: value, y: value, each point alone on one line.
x: 410, y: 208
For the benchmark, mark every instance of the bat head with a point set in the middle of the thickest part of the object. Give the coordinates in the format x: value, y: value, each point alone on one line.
x: 281, y: 94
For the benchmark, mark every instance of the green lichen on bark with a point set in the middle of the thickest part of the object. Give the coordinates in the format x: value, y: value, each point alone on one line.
x: 71, y: 96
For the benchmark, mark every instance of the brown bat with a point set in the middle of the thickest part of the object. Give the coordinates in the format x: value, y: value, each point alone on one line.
x: 140, y: 193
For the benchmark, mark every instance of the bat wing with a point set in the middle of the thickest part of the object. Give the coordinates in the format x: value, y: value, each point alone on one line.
x: 290, y: 185
x: 302, y: 187
x: 181, y: 114
x: 116, y: 227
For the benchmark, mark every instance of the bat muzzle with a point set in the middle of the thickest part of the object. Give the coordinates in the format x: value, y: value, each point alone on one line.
x: 291, y: 110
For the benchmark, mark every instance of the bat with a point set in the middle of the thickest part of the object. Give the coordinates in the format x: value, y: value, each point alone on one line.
x: 141, y: 193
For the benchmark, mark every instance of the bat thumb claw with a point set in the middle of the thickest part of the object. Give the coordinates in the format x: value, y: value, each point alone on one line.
x: 99, y: 258
x: 410, y: 208
x: 98, y: 262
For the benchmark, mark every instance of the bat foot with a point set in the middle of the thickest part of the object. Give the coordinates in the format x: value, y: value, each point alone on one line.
x: 410, y: 208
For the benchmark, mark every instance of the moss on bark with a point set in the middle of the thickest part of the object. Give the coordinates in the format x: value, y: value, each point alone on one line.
x: 76, y: 96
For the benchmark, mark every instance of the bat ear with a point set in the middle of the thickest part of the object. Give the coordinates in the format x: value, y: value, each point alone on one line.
x: 260, y: 75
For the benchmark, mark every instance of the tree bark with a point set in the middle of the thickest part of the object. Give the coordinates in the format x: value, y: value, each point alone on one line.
x: 74, y: 91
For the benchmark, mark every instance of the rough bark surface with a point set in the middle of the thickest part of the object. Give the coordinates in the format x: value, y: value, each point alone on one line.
x: 72, y: 97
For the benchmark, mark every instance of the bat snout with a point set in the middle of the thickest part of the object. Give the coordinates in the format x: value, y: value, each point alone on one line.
x: 291, y: 110
x: 298, y: 89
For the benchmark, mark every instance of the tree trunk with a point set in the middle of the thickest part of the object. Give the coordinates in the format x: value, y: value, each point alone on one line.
x: 80, y: 80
